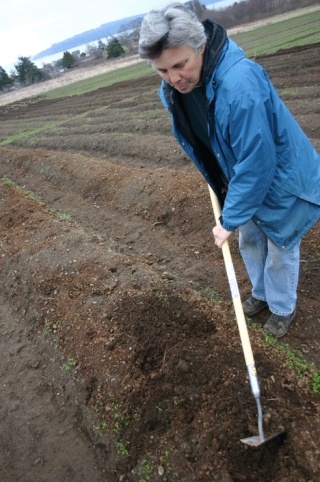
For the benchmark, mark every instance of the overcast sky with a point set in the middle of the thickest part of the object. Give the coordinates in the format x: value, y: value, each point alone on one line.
x: 29, y: 26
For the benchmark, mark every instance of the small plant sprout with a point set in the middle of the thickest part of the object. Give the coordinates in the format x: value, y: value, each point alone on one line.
x: 122, y: 447
x: 30, y: 195
x: 145, y: 470
x: 68, y: 366
x: 163, y: 297
x: 304, y: 370
x: 316, y: 382
x: 212, y: 295
x: 48, y: 330
x: 165, y: 456
x: 8, y: 182
x: 5, y: 329
x: 64, y: 217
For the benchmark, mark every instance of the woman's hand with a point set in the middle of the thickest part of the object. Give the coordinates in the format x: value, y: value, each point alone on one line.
x: 220, y: 234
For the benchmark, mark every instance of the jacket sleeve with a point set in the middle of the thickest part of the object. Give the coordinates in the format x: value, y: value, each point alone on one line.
x: 248, y: 133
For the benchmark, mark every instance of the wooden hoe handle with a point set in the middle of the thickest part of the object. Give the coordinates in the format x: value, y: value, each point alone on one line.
x: 242, y: 325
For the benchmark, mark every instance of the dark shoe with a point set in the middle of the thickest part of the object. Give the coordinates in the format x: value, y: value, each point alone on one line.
x: 252, y: 306
x: 277, y: 325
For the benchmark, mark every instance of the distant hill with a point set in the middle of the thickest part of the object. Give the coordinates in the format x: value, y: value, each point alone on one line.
x: 99, y: 33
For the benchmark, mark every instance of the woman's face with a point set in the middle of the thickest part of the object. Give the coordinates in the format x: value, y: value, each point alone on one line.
x: 180, y: 67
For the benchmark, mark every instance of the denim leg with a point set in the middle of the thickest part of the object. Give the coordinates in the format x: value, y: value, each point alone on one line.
x: 273, y: 271
x: 253, y: 249
x: 281, y: 278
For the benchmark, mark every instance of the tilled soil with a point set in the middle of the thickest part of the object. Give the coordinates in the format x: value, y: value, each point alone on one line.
x: 120, y: 354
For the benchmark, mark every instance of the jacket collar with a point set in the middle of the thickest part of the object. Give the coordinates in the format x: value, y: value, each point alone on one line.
x: 216, y: 38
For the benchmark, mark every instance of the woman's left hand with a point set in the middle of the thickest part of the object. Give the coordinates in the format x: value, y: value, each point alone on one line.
x: 220, y: 234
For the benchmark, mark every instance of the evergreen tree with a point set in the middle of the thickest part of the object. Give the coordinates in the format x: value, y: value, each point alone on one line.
x: 5, y: 80
x: 27, y: 72
x: 68, y: 60
x: 114, y: 49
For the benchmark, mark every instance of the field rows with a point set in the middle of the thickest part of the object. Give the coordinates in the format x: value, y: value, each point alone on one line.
x: 276, y: 36
x: 107, y: 250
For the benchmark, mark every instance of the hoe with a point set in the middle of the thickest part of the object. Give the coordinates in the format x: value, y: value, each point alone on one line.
x: 257, y: 440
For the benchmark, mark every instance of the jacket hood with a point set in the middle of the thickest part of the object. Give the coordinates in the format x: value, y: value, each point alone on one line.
x: 216, y: 38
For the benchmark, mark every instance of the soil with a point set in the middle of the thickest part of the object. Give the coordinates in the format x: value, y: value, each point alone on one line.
x: 119, y: 350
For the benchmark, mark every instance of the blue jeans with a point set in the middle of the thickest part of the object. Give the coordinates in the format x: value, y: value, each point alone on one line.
x: 273, y: 271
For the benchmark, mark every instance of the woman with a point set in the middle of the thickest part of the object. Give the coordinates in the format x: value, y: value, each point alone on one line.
x: 229, y: 119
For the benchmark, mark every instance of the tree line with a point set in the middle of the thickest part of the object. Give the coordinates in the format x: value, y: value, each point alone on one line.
x: 26, y: 72
x: 249, y: 10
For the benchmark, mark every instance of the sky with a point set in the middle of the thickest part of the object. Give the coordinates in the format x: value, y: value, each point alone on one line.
x: 28, y: 27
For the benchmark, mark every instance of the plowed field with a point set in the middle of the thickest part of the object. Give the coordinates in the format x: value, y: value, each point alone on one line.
x: 120, y: 358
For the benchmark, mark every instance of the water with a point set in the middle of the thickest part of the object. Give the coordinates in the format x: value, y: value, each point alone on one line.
x: 57, y: 56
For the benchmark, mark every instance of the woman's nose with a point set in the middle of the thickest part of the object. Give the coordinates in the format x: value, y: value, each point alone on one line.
x: 174, y: 76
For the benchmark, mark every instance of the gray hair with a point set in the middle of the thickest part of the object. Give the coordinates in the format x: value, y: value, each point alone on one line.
x: 172, y: 26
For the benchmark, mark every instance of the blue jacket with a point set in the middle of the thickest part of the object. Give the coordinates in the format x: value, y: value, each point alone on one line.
x: 272, y: 168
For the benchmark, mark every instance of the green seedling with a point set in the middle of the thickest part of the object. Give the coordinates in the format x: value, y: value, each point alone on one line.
x: 48, y: 330
x: 304, y: 370
x: 252, y: 324
x: 212, y: 295
x: 317, y: 257
x: 51, y: 328
x: 146, y: 470
x: 121, y: 420
x: 122, y: 447
x: 64, y: 217
x: 102, y: 427
x: 30, y: 195
x: 68, y: 366
x: 290, y: 92
x: 316, y: 382
x: 5, y: 329
x: 163, y: 297
x: 8, y: 182
x: 165, y: 456
x: 59, y: 215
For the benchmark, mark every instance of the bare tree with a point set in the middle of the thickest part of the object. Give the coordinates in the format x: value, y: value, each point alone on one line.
x: 198, y: 8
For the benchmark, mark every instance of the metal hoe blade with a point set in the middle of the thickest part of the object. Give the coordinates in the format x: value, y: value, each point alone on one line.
x: 259, y: 440
x: 256, y: 441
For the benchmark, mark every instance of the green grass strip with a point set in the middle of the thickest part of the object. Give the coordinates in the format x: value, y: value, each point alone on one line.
x: 27, y: 133
x: 131, y: 72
